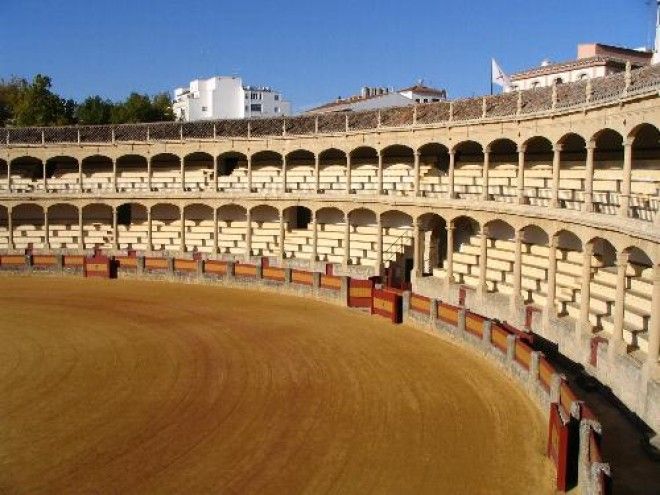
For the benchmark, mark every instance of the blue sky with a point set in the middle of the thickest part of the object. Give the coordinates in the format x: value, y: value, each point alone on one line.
x: 311, y: 51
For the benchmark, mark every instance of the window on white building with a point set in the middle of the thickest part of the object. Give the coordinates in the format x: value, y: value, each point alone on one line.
x: 535, y: 84
x: 559, y: 80
x: 255, y: 107
x: 254, y: 96
x: 583, y: 76
x: 276, y: 97
x: 276, y: 109
x: 203, y: 109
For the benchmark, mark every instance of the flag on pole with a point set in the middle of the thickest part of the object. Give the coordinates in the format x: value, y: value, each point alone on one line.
x: 498, y: 76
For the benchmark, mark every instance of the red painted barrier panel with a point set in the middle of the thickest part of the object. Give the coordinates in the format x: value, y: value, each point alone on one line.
x: 331, y: 282
x: 185, y: 266
x: 44, y: 260
x: 12, y: 260
x: 557, y: 448
x: 421, y: 304
x: 156, y: 264
x: 387, y: 304
x: 499, y: 337
x: 99, y: 266
x: 245, y: 270
x: 523, y: 354
x: 215, y: 267
x: 526, y: 336
x: 273, y: 273
x: 302, y: 277
x: 360, y: 293
x: 73, y: 261
x: 448, y: 313
x: 474, y: 324
x: 545, y: 373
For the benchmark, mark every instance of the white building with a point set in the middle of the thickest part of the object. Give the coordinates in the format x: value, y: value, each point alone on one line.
x: 225, y: 97
x: 374, y: 98
x: 593, y: 60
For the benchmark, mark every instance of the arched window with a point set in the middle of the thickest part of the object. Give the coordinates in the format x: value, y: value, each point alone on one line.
x: 558, y: 80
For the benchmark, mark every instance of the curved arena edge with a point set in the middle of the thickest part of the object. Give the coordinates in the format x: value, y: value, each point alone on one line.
x: 538, y: 209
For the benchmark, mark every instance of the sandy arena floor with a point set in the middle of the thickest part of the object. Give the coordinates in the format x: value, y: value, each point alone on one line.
x: 148, y: 387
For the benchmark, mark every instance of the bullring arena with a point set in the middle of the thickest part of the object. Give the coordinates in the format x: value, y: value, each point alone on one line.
x: 501, y: 224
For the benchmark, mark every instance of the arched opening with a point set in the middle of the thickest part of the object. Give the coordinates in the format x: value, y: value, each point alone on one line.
x: 398, y: 249
x: 537, y: 179
x: 298, y: 236
x: 364, y: 170
x: 332, y: 171
x: 468, y: 170
x: 434, y: 243
x: 97, y: 173
x: 300, y: 170
x: 330, y: 227
x: 569, y: 271
x: 602, y: 293
x: 4, y: 228
x: 265, y: 224
x: 638, y: 299
x: 398, y: 170
x: 645, y: 178
x: 535, y: 250
x: 464, y: 267
x: 63, y: 227
x: 500, y: 256
x: 198, y: 171
x: 97, y: 226
x: 62, y: 174
x: 4, y: 170
x: 572, y: 171
x: 199, y: 228
x: 26, y: 174
x: 131, y: 173
x: 363, y: 235
x: 165, y: 227
x: 502, y: 176
x: 608, y: 171
x: 165, y: 172
x: 434, y: 170
x: 28, y: 226
x: 231, y: 168
x: 232, y: 230
x: 266, y: 171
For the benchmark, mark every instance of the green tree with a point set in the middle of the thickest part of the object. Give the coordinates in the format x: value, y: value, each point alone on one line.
x: 162, y: 107
x: 94, y: 110
x: 39, y: 106
x: 10, y: 93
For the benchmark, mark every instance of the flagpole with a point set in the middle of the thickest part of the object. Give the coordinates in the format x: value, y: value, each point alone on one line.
x: 491, y: 77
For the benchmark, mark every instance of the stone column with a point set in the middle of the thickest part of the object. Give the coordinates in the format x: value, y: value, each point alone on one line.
x: 282, y: 236
x: 8, y: 175
x: 484, y: 174
x: 46, y: 229
x: 10, y: 228
x: 348, y: 173
x: 80, y: 176
x: 182, y: 173
x: 114, y: 175
x: 619, y: 302
x: 624, y: 202
x: 521, y: 173
x: 149, y: 174
x: 347, y: 240
x: 182, y: 244
x: 516, y: 298
x: 248, y: 234
x: 585, y: 292
x: 315, y: 237
x: 283, y: 173
x: 45, y: 179
x: 150, y: 242
x: 215, y: 174
x: 417, y: 177
x: 556, y: 163
x: 654, y: 323
x: 417, y: 248
x: 450, y: 251
x: 249, y: 173
x: 483, y: 256
x: 317, y: 172
x: 452, y: 167
x: 550, y: 306
x: 379, y: 244
x: 589, y: 179
x: 380, y: 172
x: 81, y: 232
x: 115, y: 233
x: 215, y: 230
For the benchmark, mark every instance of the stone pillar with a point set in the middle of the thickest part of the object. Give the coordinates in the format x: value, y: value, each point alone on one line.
x: 654, y: 323
x: 45, y: 179
x: 248, y: 234
x: 380, y: 172
x: 114, y: 175
x: 534, y: 363
x: 81, y: 232
x: 215, y: 174
x: 10, y: 229
x: 589, y: 179
x: 149, y: 174
x: 80, y: 177
x: 46, y: 229
x: 624, y: 202
x: 585, y: 292
x: 347, y: 240
x: 556, y: 163
x: 249, y: 173
x: 450, y: 252
x: 317, y: 172
x: 486, y: 333
x: 511, y: 348
x: 521, y: 174
x: 182, y: 173
x: 619, y: 302
x: 348, y: 173
x: 417, y: 249
x: 417, y: 177
x: 484, y: 174
x: 283, y: 173
x: 282, y: 236
x: 150, y: 242
x: 516, y: 298
x: 182, y: 245
x: 379, y: 244
x: 550, y: 306
x: 452, y: 166
x: 315, y: 237
x: 215, y: 230
x: 483, y: 256
x: 8, y: 175
x: 115, y: 233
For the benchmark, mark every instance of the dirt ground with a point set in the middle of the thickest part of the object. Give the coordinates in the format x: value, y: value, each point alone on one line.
x: 150, y: 387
